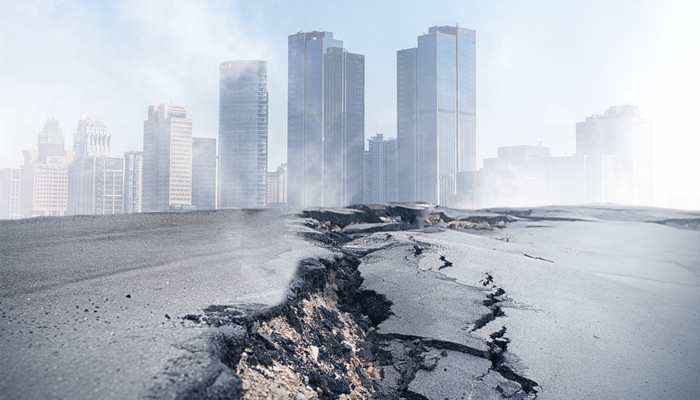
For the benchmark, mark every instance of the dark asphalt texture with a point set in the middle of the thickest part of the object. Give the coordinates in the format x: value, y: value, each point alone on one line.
x: 90, y: 306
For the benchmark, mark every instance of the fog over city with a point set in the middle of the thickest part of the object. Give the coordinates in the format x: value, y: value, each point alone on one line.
x: 541, y: 67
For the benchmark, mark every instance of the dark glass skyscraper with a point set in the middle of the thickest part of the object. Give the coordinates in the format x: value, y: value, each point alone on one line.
x: 242, y: 134
x: 436, y: 113
x: 325, y: 122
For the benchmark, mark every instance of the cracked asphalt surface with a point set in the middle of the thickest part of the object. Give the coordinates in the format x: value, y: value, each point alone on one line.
x: 89, y: 306
x: 556, y: 302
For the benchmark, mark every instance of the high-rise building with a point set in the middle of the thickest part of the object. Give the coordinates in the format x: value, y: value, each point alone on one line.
x: 167, y: 158
x: 95, y: 180
x: 436, y: 114
x: 44, y: 175
x: 10, y: 193
x: 133, y: 181
x: 96, y: 186
x: 325, y: 121
x: 204, y: 173
x: 381, y: 171
x: 277, y: 187
x: 627, y: 140
x: 91, y: 138
x: 242, y: 133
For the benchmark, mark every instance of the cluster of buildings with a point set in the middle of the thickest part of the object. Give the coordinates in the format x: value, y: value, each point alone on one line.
x: 432, y: 159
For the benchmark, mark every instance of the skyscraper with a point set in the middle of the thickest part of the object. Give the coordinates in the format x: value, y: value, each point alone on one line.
x: 381, y: 171
x: 626, y: 140
x: 242, y: 133
x: 436, y: 114
x: 325, y: 121
x: 44, y: 175
x: 167, y: 158
x: 204, y: 173
x: 91, y: 138
x: 133, y: 181
x: 95, y: 180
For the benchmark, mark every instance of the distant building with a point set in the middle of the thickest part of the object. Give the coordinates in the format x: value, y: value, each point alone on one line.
x: 325, y: 121
x: 44, y: 175
x: 242, y: 133
x: 10, y: 193
x: 96, y: 186
x: 167, y: 158
x: 95, y: 180
x: 133, y: 181
x: 381, y: 171
x: 626, y: 140
x: 204, y: 173
x: 517, y: 177
x: 436, y: 114
x: 91, y: 138
x: 277, y: 187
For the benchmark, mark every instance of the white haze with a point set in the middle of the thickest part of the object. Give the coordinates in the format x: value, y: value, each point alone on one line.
x: 541, y: 67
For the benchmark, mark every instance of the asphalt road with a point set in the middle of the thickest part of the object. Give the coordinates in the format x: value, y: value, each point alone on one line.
x: 90, y: 306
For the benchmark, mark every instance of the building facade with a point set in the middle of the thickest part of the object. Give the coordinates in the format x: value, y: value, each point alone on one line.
x: 325, y: 121
x: 133, y: 181
x: 95, y: 180
x: 277, y: 187
x: 44, y: 175
x: 204, y: 173
x: 242, y: 133
x: 10, y: 193
x: 91, y: 138
x: 167, y: 158
x: 96, y: 186
x: 436, y: 114
x: 625, y: 140
x: 381, y: 171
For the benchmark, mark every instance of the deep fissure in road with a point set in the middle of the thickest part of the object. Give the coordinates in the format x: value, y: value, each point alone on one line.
x: 322, y: 341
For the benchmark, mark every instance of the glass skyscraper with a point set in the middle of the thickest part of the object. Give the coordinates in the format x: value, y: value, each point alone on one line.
x: 325, y: 122
x: 436, y: 114
x: 242, y: 133
x: 167, y: 158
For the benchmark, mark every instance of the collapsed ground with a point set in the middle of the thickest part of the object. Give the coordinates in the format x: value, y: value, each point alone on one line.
x: 334, y: 338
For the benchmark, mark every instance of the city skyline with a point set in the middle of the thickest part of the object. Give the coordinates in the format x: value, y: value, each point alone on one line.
x: 533, y: 84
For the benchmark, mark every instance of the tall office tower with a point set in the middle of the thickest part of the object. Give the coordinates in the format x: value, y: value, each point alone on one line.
x: 96, y: 186
x: 277, y: 187
x: 436, y: 114
x: 133, y: 181
x: 204, y: 173
x: 44, y: 175
x: 51, y: 133
x: 381, y: 171
x: 91, y: 138
x: 325, y: 121
x: 9, y: 193
x: 242, y: 133
x: 167, y: 158
x: 622, y: 133
x: 95, y: 180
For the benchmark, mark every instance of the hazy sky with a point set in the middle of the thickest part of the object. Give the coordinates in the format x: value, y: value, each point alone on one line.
x: 541, y: 67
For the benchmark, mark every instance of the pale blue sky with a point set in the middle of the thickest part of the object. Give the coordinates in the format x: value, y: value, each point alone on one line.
x: 541, y: 67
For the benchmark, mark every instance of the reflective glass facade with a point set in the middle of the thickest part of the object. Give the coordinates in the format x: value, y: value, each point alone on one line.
x: 325, y: 125
x: 436, y: 114
x: 243, y: 129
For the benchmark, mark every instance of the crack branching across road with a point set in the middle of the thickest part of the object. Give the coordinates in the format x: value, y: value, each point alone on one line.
x: 328, y: 339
